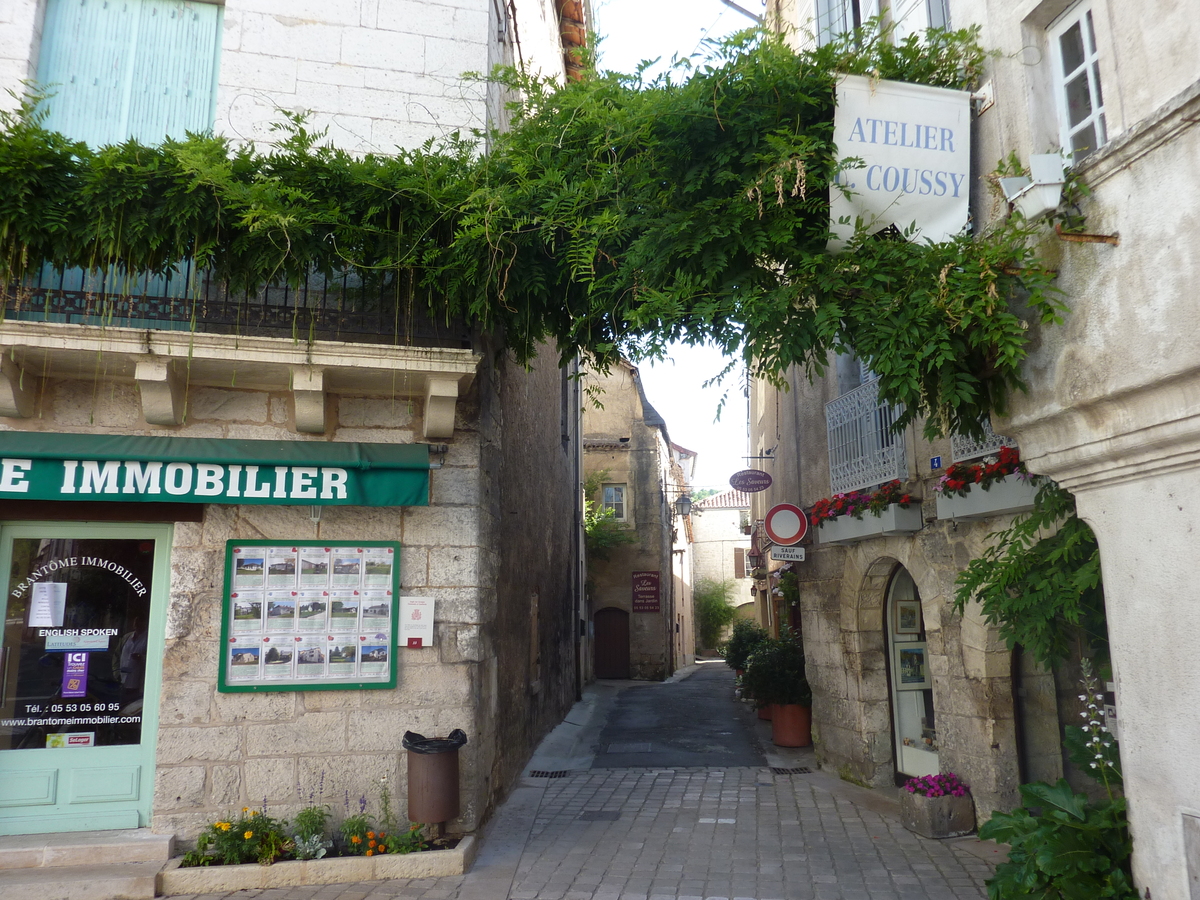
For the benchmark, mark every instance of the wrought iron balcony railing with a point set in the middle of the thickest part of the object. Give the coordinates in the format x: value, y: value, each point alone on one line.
x: 963, y: 447
x: 863, y: 449
x: 341, y: 308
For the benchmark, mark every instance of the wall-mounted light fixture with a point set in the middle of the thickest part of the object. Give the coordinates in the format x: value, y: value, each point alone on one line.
x: 683, y: 505
x: 1038, y: 193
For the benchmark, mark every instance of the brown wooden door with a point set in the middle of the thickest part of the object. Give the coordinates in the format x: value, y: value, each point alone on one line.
x: 612, y: 643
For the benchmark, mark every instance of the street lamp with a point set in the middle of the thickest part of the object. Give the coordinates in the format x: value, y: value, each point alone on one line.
x: 683, y: 505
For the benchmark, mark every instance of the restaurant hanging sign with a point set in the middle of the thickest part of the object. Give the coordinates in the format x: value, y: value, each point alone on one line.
x: 915, y: 145
x: 129, y: 468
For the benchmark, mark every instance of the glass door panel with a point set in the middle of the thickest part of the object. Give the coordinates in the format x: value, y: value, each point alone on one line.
x: 911, y: 685
x: 80, y: 666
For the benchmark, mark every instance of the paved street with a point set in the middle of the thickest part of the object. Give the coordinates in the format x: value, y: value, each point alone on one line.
x: 628, y: 822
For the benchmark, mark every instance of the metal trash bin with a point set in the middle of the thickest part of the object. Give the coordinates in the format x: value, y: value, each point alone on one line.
x: 433, y: 776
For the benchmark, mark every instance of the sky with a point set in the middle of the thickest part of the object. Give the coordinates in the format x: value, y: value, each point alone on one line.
x: 632, y: 31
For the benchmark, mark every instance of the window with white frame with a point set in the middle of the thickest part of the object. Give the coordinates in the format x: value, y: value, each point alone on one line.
x: 1076, y: 73
x: 614, y: 499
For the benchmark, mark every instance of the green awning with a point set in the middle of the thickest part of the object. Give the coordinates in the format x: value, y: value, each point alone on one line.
x: 134, y: 468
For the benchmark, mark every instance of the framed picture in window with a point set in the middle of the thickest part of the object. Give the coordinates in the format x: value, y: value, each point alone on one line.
x: 912, y: 666
x: 908, y: 617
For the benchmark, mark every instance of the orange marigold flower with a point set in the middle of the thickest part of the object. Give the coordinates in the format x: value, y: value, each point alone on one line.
x: 370, y: 834
x: 356, y: 839
x: 370, y: 853
x: 371, y: 844
x: 382, y: 834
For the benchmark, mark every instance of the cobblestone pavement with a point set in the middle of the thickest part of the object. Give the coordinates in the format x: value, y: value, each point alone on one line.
x: 684, y: 833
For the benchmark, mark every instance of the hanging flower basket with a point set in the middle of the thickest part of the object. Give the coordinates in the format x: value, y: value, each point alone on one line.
x: 894, y: 519
x: 1007, y: 496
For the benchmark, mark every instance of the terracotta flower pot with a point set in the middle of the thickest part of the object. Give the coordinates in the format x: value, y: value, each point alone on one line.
x: 937, y: 817
x: 764, y: 713
x: 791, y: 725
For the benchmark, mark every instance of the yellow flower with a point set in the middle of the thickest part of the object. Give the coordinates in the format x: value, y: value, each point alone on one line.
x: 224, y: 826
x: 245, y: 809
x: 248, y: 835
x: 255, y: 813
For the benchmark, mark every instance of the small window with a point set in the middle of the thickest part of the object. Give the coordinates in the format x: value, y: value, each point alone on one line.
x: 614, y: 499
x: 1076, y: 74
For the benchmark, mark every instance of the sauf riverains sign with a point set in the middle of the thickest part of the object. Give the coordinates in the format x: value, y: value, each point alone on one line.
x: 914, y: 144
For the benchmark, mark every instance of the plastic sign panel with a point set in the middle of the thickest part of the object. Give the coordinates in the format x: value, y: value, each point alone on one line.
x: 788, y: 554
x: 646, y: 592
x: 786, y: 523
x: 750, y: 481
x: 416, y: 622
x: 309, y: 615
x: 915, y: 146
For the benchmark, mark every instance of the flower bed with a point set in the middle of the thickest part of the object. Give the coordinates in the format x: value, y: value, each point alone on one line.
x: 937, y: 806
x: 895, y: 519
x: 337, y: 870
x: 1006, y: 496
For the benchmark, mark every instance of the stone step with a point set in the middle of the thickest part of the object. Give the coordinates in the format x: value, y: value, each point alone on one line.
x: 84, y: 848
x: 124, y: 881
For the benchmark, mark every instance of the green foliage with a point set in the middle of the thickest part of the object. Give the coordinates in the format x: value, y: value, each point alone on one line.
x: 747, y: 635
x: 309, y: 834
x: 251, y: 837
x: 602, y: 532
x: 364, y: 835
x: 775, y: 672
x: 1040, y: 580
x: 615, y: 217
x: 713, y: 612
x: 1062, y: 846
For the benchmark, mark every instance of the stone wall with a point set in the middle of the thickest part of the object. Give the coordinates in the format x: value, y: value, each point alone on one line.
x: 218, y: 751
x: 641, y: 462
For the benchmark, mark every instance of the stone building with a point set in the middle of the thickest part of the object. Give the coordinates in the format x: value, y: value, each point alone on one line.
x: 408, y: 460
x: 1111, y: 414
x: 639, y: 595
x: 721, y: 541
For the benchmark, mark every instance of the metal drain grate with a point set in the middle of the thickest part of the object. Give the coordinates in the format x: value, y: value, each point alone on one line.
x: 599, y: 815
x: 542, y: 773
x: 801, y: 770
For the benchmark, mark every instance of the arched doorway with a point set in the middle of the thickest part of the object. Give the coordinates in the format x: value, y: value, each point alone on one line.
x: 612, y: 642
x: 910, y: 682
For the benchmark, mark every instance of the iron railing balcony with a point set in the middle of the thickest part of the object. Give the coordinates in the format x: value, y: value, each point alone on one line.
x: 963, y: 447
x: 864, y: 451
x: 342, y: 307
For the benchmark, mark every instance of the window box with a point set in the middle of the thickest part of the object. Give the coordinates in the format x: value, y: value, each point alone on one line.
x: 894, y: 520
x: 1008, y: 496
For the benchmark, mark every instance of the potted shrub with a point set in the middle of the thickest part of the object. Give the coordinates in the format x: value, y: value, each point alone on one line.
x: 746, y: 636
x: 937, y: 806
x: 775, y: 677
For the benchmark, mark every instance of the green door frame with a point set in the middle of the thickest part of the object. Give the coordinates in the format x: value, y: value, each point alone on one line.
x: 30, y: 769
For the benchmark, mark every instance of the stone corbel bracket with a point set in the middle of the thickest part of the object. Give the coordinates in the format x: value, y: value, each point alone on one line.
x: 308, y: 391
x: 441, y: 396
x: 164, y: 394
x: 18, y: 388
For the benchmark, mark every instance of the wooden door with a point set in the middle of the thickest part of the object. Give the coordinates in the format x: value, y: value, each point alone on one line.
x: 612, y: 643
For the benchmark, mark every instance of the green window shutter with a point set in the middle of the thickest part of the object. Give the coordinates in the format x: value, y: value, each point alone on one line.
x: 129, y: 68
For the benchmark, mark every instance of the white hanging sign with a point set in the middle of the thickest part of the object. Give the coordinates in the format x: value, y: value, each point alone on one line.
x: 915, y: 144
x: 416, y: 622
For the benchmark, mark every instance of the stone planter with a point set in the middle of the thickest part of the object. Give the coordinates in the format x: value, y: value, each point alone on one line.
x: 1008, y: 496
x: 894, y: 520
x: 937, y: 817
x: 292, y: 873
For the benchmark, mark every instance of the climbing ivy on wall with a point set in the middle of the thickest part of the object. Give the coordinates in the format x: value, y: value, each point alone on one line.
x: 616, y: 216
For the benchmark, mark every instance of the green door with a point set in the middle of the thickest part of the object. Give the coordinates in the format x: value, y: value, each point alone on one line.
x: 80, y: 669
